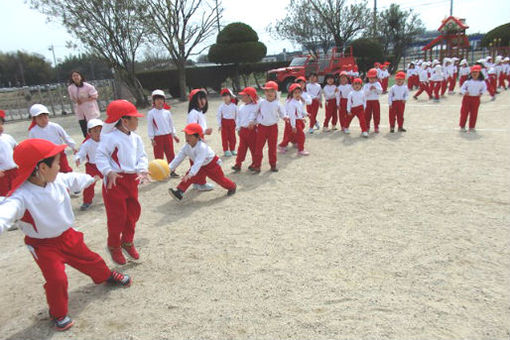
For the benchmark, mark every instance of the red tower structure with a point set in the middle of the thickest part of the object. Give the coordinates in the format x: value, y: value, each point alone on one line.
x: 452, y: 40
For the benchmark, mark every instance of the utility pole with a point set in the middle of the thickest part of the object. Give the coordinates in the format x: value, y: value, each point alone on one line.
x: 52, y: 49
x: 451, y: 7
x: 374, y: 28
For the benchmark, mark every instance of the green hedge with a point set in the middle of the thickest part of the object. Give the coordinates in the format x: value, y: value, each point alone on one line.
x: 208, y: 77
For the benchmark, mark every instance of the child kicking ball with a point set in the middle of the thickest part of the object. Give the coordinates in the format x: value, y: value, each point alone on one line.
x: 204, y: 163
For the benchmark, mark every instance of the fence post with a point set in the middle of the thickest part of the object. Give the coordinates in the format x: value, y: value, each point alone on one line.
x: 50, y: 95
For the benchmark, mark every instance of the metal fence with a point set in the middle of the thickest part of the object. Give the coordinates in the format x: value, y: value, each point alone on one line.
x: 16, y: 101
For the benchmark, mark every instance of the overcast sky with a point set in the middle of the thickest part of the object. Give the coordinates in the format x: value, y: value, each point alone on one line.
x: 26, y: 29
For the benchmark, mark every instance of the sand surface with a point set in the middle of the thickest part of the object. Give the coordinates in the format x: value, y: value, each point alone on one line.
x: 401, y: 236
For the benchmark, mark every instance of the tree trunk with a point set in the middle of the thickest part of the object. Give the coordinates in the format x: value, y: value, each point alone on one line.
x: 237, y: 81
x: 181, y: 68
x: 134, y: 87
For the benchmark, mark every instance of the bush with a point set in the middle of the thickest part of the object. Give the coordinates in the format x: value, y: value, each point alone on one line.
x: 367, y: 52
x: 502, y: 32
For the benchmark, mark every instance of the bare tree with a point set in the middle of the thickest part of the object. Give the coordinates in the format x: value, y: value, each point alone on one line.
x: 182, y: 26
x: 304, y: 26
x: 343, y: 22
x: 111, y: 29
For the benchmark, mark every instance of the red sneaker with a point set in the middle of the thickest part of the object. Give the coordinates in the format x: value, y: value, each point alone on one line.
x: 131, y: 250
x: 120, y: 279
x: 117, y: 256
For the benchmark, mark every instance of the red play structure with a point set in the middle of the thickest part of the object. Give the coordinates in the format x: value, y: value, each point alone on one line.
x: 452, y: 41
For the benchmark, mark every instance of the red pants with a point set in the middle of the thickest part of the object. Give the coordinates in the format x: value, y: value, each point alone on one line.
x: 6, y: 181
x: 164, y: 147
x: 52, y: 254
x: 298, y: 137
x: 269, y: 134
x: 373, y: 108
x: 424, y: 87
x: 64, y: 164
x: 444, y: 86
x: 397, y: 111
x: 211, y: 170
x: 490, y: 86
x: 312, y: 110
x: 247, y: 140
x: 435, y: 86
x: 331, y: 113
x: 502, y: 79
x: 358, y: 112
x: 412, y: 82
x: 469, y: 108
x: 452, y: 81
x: 384, y: 84
x: 342, y: 112
x: 122, y: 209
x: 88, y: 193
x: 228, y: 134
x: 462, y: 79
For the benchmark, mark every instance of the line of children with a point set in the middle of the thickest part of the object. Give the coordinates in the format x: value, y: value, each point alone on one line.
x: 161, y: 129
x: 227, y: 115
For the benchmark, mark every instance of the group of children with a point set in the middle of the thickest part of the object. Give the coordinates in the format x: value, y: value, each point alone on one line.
x: 37, y: 180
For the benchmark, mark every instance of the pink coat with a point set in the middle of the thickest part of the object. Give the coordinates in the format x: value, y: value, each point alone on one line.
x: 88, y: 109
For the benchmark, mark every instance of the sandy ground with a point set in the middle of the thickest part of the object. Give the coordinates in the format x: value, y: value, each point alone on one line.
x: 401, y: 236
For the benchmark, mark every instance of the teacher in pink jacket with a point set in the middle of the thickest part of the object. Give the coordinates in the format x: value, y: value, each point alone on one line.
x: 84, y: 96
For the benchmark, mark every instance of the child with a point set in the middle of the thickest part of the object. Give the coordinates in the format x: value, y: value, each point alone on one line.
x: 122, y: 160
x: 397, y: 102
x: 245, y: 125
x: 463, y: 72
x: 197, y: 108
x: 436, y: 81
x: 472, y: 89
x: 384, y: 76
x: 161, y: 129
x: 424, y: 81
x: 450, y: 76
x: 227, y: 114
x: 492, y: 82
x: 87, y: 153
x: 372, y: 91
x: 203, y: 163
x: 412, y: 79
x: 500, y: 72
x: 296, y: 113
x: 39, y: 198
x: 8, y: 169
x: 42, y: 128
x: 341, y: 99
x: 330, y: 90
x: 268, y: 114
x: 356, y: 103
x: 314, y: 90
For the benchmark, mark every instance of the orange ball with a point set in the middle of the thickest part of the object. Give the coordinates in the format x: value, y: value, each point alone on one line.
x: 159, y: 169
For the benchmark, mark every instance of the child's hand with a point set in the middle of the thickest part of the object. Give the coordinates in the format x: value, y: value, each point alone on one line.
x: 153, y: 142
x: 112, y: 179
x: 208, y: 131
x: 143, y: 177
x: 176, y: 139
x: 2, y: 174
x: 186, y: 178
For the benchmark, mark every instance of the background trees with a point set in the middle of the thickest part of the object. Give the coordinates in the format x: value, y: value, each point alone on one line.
x: 21, y: 68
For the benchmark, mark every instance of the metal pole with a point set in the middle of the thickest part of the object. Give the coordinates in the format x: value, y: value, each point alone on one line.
x: 451, y: 7
x: 375, y: 19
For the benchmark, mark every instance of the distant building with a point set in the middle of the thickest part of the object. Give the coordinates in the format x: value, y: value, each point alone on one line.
x: 284, y: 56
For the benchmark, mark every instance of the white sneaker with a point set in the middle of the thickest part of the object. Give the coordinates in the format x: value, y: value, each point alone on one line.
x: 303, y: 153
x: 310, y: 131
x: 463, y: 129
x: 365, y: 134
x: 317, y: 126
x: 205, y: 187
x: 228, y: 154
x: 346, y: 131
x: 325, y: 129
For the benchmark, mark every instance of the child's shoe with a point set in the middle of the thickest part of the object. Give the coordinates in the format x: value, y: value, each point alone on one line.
x: 274, y: 169
x: 364, y: 134
x: 376, y: 130
x: 119, y: 278
x: 117, y: 256
x: 282, y: 149
x: 175, y: 193
x: 173, y: 174
x: 346, y: 131
x: 85, y: 206
x: 317, y: 126
x: 334, y: 128
x: 236, y: 168
x: 131, y: 250
x: 63, y: 323
x: 303, y: 153
x: 392, y: 130
x: 231, y: 191
x: 402, y: 129
x: 228, y: 154
x: 205, y: 187
x: 310, y: 131
x: 462, y: 129
x: 233, y: 152
x: 255, y: 170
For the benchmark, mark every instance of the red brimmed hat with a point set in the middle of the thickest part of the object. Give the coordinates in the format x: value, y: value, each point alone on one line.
x: 194, y: 128
x: 300, y: 79
x: 194, y: 92
x: 377, y: 64
x: 270, y: 85
x: 27, y: 154
x: 250, y: 92
x: 229, y: 92
x: 343, y: 73
x: 294, y: 87
x: 357, y: 80
x: 2, y: 114
x: 120, y: 108
x: 372, y: 73
x: 400, y: 75
x: 476, y: 68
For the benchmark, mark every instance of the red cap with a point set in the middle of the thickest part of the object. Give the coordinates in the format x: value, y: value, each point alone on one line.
x: 476, y: 68
x: 194, y: 128
x: 120, y: 108
x: 343, y: 73
x: 381, y: 66
x: 270, y: 85
x: 386, y: 63
x: 372, y: 73
x: 300, y: 79
x: 357, y: 80
x: 294, y: 87
x: 233, y: 98
x: 194, y: 92
x: 376, y: 64
x: 355, y: 68
x: 400, y: 75
x: 2, y: 114
x: 27, y: 154
x: 250, y: 92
